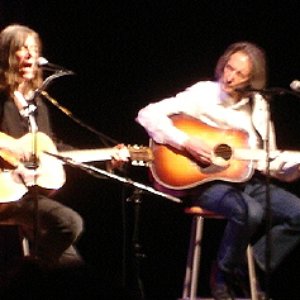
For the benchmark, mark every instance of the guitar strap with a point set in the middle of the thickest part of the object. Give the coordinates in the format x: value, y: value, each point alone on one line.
x: 26, y: 110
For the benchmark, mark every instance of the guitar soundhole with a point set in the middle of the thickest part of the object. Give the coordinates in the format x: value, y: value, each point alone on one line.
x: 223, y: 151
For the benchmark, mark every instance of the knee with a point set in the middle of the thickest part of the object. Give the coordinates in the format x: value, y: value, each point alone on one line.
x: 72, y: 225
x: 76, y: 226
x: 255, y: 216
x: 235, y: 207
x: 294, y: 220
x: 243, y: 213
x: 239, y: 214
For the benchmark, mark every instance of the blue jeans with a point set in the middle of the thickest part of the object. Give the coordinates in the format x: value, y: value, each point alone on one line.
x: 244, y: 206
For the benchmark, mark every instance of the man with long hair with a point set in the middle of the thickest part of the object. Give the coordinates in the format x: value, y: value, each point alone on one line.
x: 221, y: 108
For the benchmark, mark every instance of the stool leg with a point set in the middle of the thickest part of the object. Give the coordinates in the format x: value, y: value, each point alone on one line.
x: 25, y: 246
x: 193, y: 260
x: 252, y: 274
x: 24, y: 242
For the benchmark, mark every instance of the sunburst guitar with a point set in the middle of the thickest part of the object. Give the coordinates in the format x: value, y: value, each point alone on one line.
x: 232, y: 158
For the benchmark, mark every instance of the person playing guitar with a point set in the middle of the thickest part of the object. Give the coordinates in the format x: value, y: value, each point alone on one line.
x: 203, y: 140
x: 25, y: 137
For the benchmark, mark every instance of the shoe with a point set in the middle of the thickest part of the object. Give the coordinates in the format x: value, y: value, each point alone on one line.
x: 261, y: 295
x: 221, y: 292
x: 241, y: 281
x: 220, y: 284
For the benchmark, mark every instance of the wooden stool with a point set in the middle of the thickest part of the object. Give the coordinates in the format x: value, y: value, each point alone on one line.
x: 194, y: 254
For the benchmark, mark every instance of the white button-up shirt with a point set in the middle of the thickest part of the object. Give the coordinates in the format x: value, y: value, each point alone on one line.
x: 206, y: 101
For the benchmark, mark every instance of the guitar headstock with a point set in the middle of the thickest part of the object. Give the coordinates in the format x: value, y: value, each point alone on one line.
x: 140, y: 155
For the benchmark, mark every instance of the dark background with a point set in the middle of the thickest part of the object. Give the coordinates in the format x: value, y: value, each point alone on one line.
x: 126, y: 54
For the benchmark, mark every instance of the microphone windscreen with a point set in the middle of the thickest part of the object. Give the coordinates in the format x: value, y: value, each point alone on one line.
x: 295, y: 85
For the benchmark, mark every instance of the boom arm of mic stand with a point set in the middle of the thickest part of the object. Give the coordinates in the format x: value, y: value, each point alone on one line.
x: 274, y: 91
x: 68, y: 113
x: 97, y: 171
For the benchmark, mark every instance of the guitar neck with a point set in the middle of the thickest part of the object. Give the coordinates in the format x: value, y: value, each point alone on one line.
x: 261, y: 155
x: 89, y: 155
x: 136, y: 154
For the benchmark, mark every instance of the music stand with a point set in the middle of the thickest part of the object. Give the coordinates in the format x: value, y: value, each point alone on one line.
x: 135, y: 198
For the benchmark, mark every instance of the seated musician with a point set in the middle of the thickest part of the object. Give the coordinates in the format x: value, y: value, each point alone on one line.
x: 223, y: 113
x: 60, y: 226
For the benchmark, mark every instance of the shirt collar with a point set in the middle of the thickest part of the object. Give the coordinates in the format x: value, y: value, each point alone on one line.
x: 227, y: 101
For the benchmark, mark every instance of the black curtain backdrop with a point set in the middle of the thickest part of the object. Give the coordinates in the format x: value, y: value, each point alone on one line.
x: 126, y: 54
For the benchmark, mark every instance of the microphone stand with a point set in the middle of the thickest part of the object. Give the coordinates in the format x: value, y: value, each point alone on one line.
x: 268, y: 251
x: 48, y: 80
x: 33, y: 161
x: 104, y: 138
x: 267, y: 93
x: 33, y: 165
x: 136, y: 199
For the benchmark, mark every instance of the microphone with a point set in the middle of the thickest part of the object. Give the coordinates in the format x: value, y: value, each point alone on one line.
x: 295, y: 85
x: 46, y: 65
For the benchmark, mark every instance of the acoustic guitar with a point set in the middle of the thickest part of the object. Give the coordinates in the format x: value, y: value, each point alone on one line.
x: 232, y: 159
x: 50, y: 170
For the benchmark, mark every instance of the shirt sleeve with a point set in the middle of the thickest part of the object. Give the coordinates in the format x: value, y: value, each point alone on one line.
x: 155, y: 117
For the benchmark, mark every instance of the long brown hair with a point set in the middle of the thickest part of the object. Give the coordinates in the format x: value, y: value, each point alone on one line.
x: 13, y: 38
x: 257, y: 56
